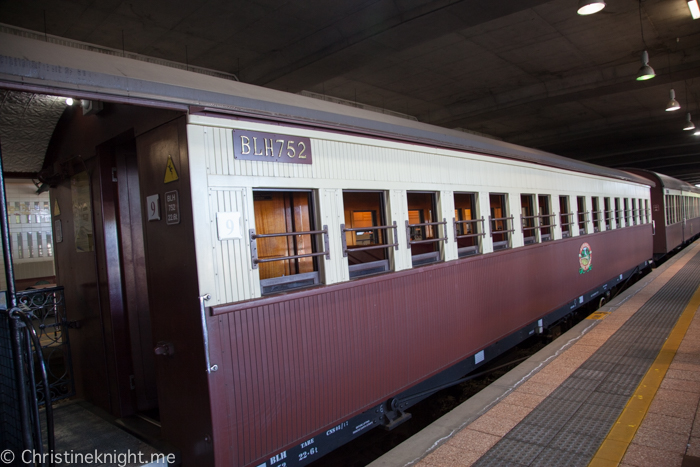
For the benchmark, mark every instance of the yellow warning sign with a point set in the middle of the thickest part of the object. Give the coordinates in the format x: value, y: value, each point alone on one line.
x: 598, y: 315
x: 56, y: 209
x: 170, y: 172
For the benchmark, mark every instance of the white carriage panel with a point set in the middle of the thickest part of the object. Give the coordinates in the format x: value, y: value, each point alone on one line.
x: 485, y: 211
x: 447, y: 205
x: 197, y: 142
x: 332, y: 215
x: 219, y: 152
x: 232, y: 263
x: 398, y: 207
x: 515, y: 210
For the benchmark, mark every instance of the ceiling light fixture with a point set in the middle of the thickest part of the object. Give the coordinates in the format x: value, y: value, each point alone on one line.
x: 69, y: 101
x: 689, y: 125
x: 673, y: 103
x: 645, y: 72
x: 694, y: 10
x: 588, y: 7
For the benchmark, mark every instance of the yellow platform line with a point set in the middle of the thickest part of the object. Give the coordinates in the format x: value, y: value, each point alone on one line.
x: 621, y: 434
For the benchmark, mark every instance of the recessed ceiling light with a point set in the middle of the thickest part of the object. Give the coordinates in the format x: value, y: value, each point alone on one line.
x: 694, y: 10
x: 588, y: 7
x: 69, y: 101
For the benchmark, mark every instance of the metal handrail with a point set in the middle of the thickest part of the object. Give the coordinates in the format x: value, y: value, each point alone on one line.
x: 343, y: 229
x: 16, y: 315
x: 470, y: 221
x: 496, y: 219
x: 430, y: 240
x: 254, y: 246
x: 203, y: 315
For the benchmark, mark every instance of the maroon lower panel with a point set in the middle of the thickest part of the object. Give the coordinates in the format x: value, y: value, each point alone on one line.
x: 674, y: 236
x: 292, y: 366
x: 692, y: 228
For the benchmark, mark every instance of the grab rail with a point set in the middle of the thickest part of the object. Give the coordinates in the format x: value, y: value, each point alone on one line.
x: 365, y: 229
x: 205, y: 329
x: 254, y: 246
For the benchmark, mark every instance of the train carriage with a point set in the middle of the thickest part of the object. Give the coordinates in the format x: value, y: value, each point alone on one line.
x: 675, y: 211
x: 277, y: 274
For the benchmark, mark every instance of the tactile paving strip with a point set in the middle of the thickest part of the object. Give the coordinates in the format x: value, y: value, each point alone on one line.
x: 568, y: 427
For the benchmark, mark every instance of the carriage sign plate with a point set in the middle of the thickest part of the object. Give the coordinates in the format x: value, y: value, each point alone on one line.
x: 270, y: 147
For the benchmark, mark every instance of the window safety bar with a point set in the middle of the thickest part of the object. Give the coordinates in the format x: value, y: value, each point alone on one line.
x: 254, y: 246
x: 367, y: 229
x: 545, y: 226
x: 529, y: 228
x: 496, y: 219
x: 425, y: 224
x: 471, y: 221
x: 569, y: 217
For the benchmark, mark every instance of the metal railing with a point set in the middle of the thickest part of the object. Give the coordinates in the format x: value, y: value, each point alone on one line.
x: 429, y: 240
x: 28, y: 359
x: 501, y: 219
x: 468, y: 224
x: 47, y: 311
x: 343, y: 230
x: 254, y: 246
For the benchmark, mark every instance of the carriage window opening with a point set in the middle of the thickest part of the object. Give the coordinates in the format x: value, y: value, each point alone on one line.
x: 422, y: 228
x: 500, y: 222
x: 468, y: 229
x: 582, y: 215
x: 679, y: 208
x: 647, y: 214
x: 667, y: 213
x: 285, y: 261
x: 628, y: 216
x: 529, y: 219
x: 366, y: 233
x: 566, y: 217
x: 635, y: 212
x: 546, y: 218
x: 596, y: 214
x: 618, y: 214
x: 608, y: 213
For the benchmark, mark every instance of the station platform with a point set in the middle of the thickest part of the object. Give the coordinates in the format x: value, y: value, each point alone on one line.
x: 622, y: 387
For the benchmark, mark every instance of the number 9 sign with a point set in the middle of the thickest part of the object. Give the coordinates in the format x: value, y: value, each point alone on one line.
x: 228, y: 225
x: 153, y: 207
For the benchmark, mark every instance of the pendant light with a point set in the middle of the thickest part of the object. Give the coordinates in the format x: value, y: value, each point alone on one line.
x: 588, y: 7
x: 689, y: 125
x: 646, y: 71
x: 673, y: 103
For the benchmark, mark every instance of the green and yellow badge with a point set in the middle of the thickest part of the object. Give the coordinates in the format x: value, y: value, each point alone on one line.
x: 584, y: 258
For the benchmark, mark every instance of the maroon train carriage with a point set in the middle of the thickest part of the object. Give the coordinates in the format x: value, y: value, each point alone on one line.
x: 675, y: 211
x: 271, y: 311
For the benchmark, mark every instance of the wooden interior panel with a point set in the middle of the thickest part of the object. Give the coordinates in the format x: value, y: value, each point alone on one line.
x: 364, y: 209
x: 283, y: 212
x: 497, y: 205
x: 464, y: 211
x: 422, y: 206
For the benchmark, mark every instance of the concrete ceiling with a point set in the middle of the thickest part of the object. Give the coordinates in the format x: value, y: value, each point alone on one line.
x: 530, y: 72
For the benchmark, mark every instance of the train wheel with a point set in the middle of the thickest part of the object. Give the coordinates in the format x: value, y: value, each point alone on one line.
x: 602, y: 302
